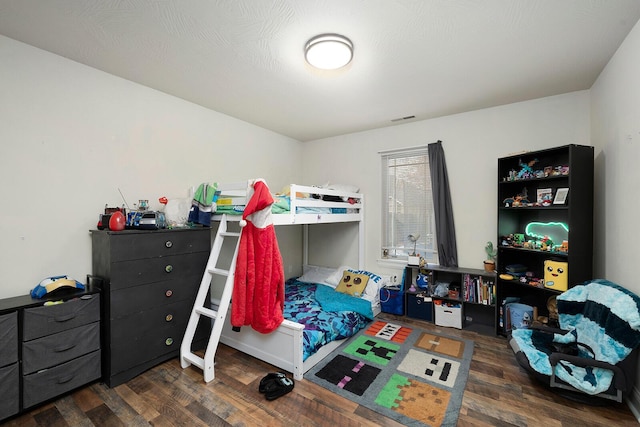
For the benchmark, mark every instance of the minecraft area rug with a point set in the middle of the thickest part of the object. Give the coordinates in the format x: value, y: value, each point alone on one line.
x: 410, y: 375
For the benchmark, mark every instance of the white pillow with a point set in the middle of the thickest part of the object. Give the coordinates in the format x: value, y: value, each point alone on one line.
x: 344, y: 187
x: 335, y: 278
x: 316, y: 274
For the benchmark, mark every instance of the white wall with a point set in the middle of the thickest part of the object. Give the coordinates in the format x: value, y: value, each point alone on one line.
x: 472, y: 143
x: 72, y: 136
x: 615, y: 128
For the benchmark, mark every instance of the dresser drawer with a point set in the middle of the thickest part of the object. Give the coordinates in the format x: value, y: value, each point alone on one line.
x: 47, y: 320
x: 54, y: 349
x: 136, y: 272
x: 44, y: 385
x: 153, y: 323
x: 9, y: 390
x: 8, y: 339
x: 124, y: 302
x: 158, y: 244
x: 145, y: 336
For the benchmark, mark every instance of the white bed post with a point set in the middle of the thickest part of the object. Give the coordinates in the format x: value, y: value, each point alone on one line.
x: 305, y: 244
x: 361, y: 246
x: 361, y: 236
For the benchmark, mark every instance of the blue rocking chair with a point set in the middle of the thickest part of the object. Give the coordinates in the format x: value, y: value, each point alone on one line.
x: 593, y: 357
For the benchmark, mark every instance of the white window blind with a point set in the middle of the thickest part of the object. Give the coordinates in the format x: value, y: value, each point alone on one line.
x: 407, y: 205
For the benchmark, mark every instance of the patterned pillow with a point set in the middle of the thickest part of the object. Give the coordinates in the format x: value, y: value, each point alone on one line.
x: 375, y: 283
x: 352, y: 283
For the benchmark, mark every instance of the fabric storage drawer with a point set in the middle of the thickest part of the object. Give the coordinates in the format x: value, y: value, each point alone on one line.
x: 46, y: 320
x: 49, y: 383
x: 448, y: 314
x: 158, y: 244
x: 136, y: 272
x: 8, y: 338
x: 419, y: 307
x: 57, y: 348
x: 9, y: 391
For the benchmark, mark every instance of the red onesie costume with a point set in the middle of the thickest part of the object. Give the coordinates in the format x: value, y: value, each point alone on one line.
x: 258, y: 289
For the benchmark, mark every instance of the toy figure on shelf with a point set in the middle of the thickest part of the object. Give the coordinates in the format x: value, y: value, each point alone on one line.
x: 564, y: 246
x: 547, y: 244
x: 521, y: 199
x: 526, y: 171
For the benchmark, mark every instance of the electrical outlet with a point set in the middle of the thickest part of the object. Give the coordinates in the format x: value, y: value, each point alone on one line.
x: 393, y: 279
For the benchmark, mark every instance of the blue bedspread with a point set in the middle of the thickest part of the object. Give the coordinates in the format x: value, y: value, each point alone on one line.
x: 321, y: 325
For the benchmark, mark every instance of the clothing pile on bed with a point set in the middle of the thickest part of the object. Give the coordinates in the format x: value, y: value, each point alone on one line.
x: 282, y: 201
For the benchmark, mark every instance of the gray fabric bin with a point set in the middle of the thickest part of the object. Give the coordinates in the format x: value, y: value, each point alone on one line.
x: 47, y: 320
x: 8, y: 338
x: 9, y: 390
x: 49, y: 383
x: 57, y: 348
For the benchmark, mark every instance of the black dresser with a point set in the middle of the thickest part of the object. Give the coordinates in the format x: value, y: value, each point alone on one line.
x: 48, y: 347
x: 151, y: 279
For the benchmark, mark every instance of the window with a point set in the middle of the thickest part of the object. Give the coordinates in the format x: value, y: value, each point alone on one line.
x: 407, y: 205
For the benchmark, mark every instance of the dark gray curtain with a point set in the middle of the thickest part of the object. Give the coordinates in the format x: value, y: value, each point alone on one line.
x: 445, y: 229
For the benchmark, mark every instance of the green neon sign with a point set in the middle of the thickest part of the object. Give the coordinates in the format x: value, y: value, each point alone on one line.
x: 556, y: 231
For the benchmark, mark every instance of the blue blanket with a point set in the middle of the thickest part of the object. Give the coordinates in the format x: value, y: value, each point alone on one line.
x: 330, y: 300
x: 320, y: 325
x: 600, y: 314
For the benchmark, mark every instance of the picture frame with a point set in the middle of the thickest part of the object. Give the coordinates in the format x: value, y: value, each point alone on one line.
x: 544, y: 195
x: 561, y: 196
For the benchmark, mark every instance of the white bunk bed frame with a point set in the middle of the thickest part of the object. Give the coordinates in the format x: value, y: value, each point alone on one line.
x: 283, y: 348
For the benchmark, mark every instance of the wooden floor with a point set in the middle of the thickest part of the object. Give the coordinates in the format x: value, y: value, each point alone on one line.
x: 498, y: 393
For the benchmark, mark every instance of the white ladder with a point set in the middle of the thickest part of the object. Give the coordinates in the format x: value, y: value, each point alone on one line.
x: 187, y: 357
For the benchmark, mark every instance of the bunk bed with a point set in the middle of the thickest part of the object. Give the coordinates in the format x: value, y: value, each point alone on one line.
x: 303, y: 205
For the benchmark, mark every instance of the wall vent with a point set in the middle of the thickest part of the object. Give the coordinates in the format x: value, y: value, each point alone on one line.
x: 399, y: 119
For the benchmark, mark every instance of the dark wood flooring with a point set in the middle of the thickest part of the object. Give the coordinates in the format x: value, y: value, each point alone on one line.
x: 498, y: 393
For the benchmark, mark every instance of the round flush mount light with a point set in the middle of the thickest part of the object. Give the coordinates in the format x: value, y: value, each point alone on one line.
x: 328, y: 51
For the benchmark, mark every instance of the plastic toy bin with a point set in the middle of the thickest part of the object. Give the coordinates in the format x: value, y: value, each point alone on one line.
x: 448, y: 313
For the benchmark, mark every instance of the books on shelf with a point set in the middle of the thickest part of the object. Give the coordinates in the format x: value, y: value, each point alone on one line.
x: 478, y: 290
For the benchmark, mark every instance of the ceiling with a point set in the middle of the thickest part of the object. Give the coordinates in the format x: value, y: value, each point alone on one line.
x: 422, y: 58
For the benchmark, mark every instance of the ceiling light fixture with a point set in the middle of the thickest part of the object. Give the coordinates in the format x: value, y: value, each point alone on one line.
x: 328, y: 51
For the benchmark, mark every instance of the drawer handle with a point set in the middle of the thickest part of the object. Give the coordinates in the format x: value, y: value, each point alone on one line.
x: 66, y: 379
x: 66, y: 318
x: 168, y: 293
x: 168, y: 243
x: 168, y: 317
x: 168, y: 268
x: 64, y: 348
x: 168, y: 341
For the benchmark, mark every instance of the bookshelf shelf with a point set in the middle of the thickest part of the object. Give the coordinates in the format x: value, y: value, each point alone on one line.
x: 470, y: 302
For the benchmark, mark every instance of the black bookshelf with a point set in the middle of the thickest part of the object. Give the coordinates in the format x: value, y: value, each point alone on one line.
x: 566, y: 169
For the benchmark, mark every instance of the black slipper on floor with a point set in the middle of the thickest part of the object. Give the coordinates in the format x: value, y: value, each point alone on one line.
x: 279, y: 387
x: 266, y: 383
